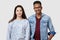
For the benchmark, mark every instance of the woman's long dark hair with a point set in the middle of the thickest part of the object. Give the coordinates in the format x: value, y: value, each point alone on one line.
x: 15, y: 16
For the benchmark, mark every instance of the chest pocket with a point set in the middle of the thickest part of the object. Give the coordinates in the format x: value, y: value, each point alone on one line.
x: 43, y: 27
x: 32, y: 23
x: 44, y: 23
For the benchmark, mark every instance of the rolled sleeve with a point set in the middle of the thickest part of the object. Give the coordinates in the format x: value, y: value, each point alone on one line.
x: 51, y: 28
x: 52, y: 33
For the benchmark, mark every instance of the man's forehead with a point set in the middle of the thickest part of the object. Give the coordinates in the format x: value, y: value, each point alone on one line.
x: 37, y: 5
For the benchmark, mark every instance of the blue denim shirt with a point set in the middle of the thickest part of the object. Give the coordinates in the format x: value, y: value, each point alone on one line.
x: 45, y: 24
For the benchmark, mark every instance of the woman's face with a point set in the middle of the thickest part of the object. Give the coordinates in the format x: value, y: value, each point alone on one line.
x: 19, y: 12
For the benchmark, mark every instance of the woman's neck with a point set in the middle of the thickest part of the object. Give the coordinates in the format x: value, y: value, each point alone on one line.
x: 19, y: 18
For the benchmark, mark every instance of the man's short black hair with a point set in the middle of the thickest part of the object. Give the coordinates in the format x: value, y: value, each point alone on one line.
x: 37, y: 2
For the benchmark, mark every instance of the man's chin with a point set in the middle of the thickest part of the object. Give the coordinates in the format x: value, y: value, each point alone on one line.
x: 38, y: 12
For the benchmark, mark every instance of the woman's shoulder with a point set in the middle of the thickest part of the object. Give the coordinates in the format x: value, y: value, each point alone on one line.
x: 26, y: 20
x: 11, y: 23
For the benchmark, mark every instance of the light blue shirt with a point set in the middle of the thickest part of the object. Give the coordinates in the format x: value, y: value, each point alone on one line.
x: 18, y: 30
x: 45, y: 24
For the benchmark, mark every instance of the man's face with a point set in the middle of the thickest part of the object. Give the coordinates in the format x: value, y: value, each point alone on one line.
x: 37, y: 8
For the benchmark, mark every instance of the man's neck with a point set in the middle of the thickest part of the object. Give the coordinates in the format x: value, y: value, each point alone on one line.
x: 38, y: 15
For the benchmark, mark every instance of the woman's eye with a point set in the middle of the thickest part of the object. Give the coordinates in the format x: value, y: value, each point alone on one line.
x: 20, y: 10
x: 17, y: 10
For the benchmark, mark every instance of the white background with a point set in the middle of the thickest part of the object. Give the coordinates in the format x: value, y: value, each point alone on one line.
x: 50, y: 7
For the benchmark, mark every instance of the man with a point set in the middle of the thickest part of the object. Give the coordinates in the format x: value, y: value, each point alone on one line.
x: 40, y: 23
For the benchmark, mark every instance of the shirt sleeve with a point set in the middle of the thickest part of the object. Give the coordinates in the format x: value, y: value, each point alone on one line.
x: 27, y: 37
x: 51, y: 28
x: 9, y: 31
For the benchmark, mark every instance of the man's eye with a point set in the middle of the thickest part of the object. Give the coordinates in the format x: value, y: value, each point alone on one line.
x: 37, y: 7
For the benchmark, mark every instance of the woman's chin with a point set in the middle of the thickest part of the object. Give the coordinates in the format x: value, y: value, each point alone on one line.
x: 19, y: 15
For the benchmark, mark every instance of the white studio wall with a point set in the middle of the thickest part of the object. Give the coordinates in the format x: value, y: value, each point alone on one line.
x: 50, y: 7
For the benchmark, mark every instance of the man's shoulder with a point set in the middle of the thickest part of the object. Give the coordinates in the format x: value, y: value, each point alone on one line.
x: 45, y: 15
x: 32, y: 16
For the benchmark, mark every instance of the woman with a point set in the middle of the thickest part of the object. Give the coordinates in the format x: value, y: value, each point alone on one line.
x: 18, y: 28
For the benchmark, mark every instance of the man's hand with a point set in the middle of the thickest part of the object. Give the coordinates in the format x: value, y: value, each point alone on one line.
x: 50, y: 37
